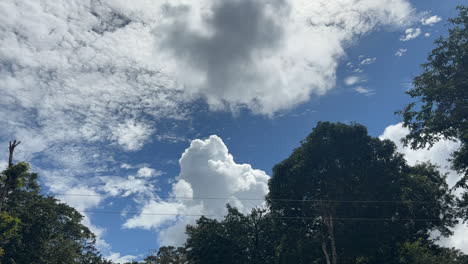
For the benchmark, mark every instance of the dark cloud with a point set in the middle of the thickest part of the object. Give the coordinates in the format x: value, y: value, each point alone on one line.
x: 238, y: 30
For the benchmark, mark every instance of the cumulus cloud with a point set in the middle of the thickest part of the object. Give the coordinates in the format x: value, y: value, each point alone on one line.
x: 411, y: 33
x: 429, y: 21
x: 257, y: 53
x: 400, y: 52
x: 207, y: 170
x: 439, y: 155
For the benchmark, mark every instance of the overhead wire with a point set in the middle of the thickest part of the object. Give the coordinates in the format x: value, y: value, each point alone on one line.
x: 255, y: 199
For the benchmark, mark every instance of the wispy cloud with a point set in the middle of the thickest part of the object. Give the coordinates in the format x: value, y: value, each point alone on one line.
x: 352, y: 80
x: 411, y: 33
x: 400, y: 52
x: 368, y: 61
x: 364, y: 91
x: 430, y: 21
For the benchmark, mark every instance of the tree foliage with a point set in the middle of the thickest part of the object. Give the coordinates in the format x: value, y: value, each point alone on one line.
x: 441, y: 109
x: 41, y: 229
x: 236, y: 239
x: 337, y: 166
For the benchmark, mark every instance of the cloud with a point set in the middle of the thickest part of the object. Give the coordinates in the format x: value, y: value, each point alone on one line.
x: 207, y: 170
x: 400, y: 52
x: 411, y: 33
x: 79, y: 79
x: 131, y: 135
x: 352, y: 80
x: 427, y: 35
x: 106, y: 72
x: 117, y: 258
x: 439, y: 155
x: 368, y: 61
x: 147, y: 172
x: 430, y: 21
x: 364, y: 91
x: 257, y: 53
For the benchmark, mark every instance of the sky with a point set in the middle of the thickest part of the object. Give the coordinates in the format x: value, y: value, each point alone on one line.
x: 131, y: 110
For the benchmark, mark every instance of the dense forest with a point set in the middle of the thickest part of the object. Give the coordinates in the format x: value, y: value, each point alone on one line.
x: 342, y: 196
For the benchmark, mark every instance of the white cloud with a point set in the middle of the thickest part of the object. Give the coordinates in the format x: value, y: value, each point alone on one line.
x: 207, y: 170
x: 368, y: 61
x: 365, y: 91
x: 125, y: 186
x: 352, y: 80
x: 400, y: 52
x: 438, y: 155
x: 427, y: 35
x: 429, y: 21
x: 147, y: 172
x: 411, y: 33
x: 126, y: 166
x: 131, y: 135
x: 117, y: 258
x: 224, y: 53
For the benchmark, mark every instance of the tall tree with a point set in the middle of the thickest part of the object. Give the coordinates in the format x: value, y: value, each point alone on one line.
x: 324, y: 192
x: 441, y: 109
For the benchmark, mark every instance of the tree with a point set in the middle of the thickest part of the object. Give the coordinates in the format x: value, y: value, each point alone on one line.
x: 167, y: 255
x: 8, y: 228
x: 441, y: 110
x: 420, y: 252
x: 318, y: 188
x: 38, y: 229
x: 238, y: 238
x: 10, y: 179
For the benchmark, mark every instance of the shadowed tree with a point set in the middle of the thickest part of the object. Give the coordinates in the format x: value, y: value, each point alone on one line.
x: 338, y: 165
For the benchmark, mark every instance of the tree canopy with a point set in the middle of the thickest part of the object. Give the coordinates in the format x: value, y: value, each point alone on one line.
x: 441, y: 90
x: 40, y: 229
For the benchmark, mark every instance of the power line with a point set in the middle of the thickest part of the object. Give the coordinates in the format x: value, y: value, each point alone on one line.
x: 256, y: 199
x: 270, y: 217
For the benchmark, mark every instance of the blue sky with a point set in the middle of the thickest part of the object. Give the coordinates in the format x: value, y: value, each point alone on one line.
x: 107, y: 96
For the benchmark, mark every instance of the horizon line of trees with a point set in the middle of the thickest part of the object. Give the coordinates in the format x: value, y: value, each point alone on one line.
x: 306, y: 219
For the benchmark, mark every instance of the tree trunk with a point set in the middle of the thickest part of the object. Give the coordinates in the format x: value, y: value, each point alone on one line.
x: 331, y: 233
x: 324, y: 249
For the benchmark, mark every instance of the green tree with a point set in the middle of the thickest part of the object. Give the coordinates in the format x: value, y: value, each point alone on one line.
x: 316, y: 192
x: 420, y: 252
x: 48, y: 232
x: 167, y: 255
x: 441, y: 109
x: 238, y: 238
x: 8, y: 228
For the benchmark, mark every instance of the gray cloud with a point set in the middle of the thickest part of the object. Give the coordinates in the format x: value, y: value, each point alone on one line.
x: 239, y: 30
x: 263, y: 55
